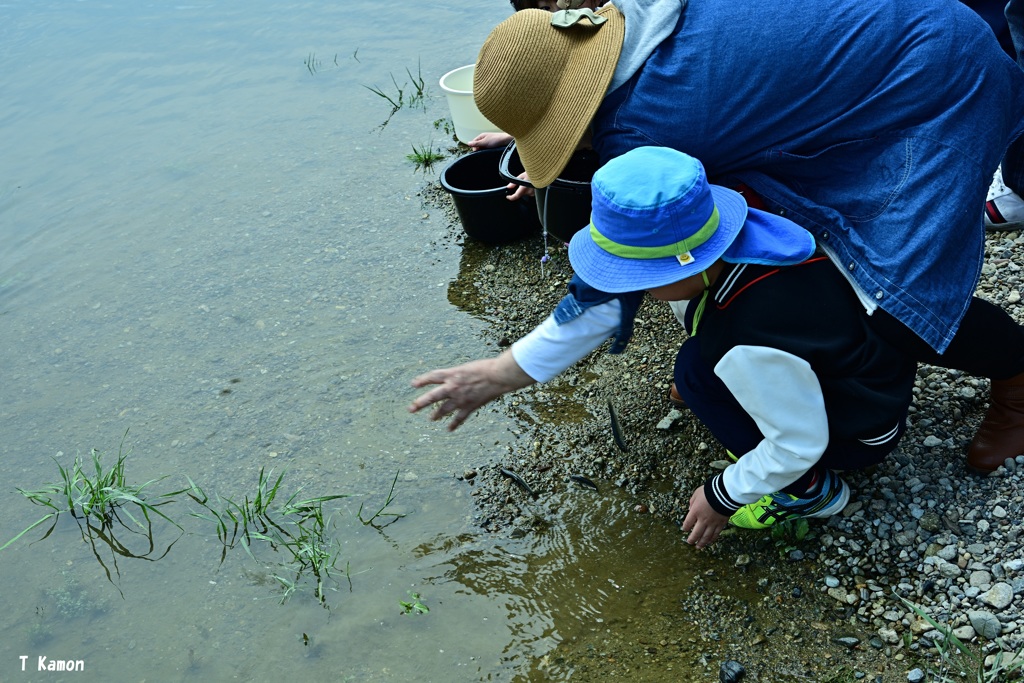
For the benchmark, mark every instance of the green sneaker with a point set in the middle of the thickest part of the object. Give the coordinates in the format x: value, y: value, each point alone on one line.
x: 775, y: 507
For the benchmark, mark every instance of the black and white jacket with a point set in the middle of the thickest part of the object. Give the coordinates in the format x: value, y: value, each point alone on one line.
x: 793, y: 345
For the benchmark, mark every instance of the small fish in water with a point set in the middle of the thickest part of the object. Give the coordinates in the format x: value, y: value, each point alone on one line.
x: 583, y: 481
x: 519, y: 481
x: 617, y: 434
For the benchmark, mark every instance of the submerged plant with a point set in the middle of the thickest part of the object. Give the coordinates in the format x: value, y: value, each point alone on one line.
x: 394, y: 516
x: 414, y: 605
x: 445, y: 125
x: 403, y: 96
x: 97, y: 493
x: 298, y: 528
x: 105, y: 504
x: 425, y: 157
x: 313, y: 64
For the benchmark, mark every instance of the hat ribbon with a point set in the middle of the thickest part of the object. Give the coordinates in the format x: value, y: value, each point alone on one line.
x: 570, y: 17
x: 675, y: 249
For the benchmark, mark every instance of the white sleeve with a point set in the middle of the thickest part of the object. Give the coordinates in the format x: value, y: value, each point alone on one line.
x: 781, y: 393
x: 551, y: 348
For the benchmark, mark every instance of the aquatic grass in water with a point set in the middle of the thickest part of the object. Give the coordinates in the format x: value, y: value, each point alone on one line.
x: 105, y: 506
x: 298, y: 528
x: 315, y: 65
x: 394, y: 516
x: 425, y: 157
x: 402, y: 97
x: 414, y: 605
x: 445, y: 125
x: 101, y: 494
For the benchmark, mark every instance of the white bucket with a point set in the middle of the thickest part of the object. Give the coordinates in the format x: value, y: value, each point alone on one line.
x: 457, y: 85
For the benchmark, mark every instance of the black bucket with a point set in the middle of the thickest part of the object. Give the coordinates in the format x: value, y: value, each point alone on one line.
x: 563, y: 206
x: 480, y: 195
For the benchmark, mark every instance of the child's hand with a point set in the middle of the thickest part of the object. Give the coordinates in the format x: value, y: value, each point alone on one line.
x: 489, y: 140
x: 702, y: 522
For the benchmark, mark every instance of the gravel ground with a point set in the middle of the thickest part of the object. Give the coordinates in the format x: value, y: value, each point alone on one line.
x: 919, y: 525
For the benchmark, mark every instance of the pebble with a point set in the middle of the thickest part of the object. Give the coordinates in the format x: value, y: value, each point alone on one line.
x: 999, y: 596
x: 731, y: 671
x: 985, y: 624
x: 669, y: 420
x: 930, y: 531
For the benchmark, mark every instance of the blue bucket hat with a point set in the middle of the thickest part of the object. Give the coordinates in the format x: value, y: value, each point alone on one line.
x: 655, y: 220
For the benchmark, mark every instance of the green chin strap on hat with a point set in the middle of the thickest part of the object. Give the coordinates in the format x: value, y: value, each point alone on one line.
x: 697, y: 314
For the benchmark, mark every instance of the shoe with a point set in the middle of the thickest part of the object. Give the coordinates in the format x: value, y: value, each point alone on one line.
x: 1004, y: 208
x: 775, y: 507
x: 1001, y: 434
x: 675, y: 398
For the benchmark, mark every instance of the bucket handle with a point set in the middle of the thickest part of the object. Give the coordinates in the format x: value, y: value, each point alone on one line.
x: 503, y: 163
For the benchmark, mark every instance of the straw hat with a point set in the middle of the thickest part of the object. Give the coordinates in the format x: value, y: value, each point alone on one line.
x: 657, y: 221
x: 542, y: 84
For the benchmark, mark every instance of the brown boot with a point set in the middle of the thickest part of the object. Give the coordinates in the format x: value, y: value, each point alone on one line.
x: 674, y: 397
x: 1001, y: 434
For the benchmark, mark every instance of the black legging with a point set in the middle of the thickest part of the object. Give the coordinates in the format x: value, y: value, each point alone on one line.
x: 987, y: 344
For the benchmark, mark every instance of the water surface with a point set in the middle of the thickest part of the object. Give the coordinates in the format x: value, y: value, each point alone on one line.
x: 214, y: 257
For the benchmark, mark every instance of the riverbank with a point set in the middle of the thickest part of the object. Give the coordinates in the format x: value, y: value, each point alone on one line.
x: 920, y: 526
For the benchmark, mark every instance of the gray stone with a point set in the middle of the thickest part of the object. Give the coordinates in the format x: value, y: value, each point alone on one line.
x: 949, y: 570
x: 985, y: 624
x: 889, y: 635
x: 731, y: 671
x: 1014, y: 565
x: 965, y: 632
x: 999, y: 596
x: 981, y: 579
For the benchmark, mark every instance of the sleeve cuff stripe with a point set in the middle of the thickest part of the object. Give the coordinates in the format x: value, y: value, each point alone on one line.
x: 718, y: 497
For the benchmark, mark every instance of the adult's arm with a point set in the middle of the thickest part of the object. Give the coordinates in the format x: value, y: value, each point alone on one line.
x: 539, y: 356
x: 462, y: 389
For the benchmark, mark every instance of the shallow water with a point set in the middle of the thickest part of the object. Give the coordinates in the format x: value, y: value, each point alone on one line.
x: 210, y: 244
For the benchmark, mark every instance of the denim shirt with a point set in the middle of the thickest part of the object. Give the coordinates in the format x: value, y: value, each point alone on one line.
x: 876, y: 126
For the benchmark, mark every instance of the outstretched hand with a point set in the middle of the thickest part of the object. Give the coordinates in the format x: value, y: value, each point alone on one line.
x: 462, y: 389
x: 702, y: 522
